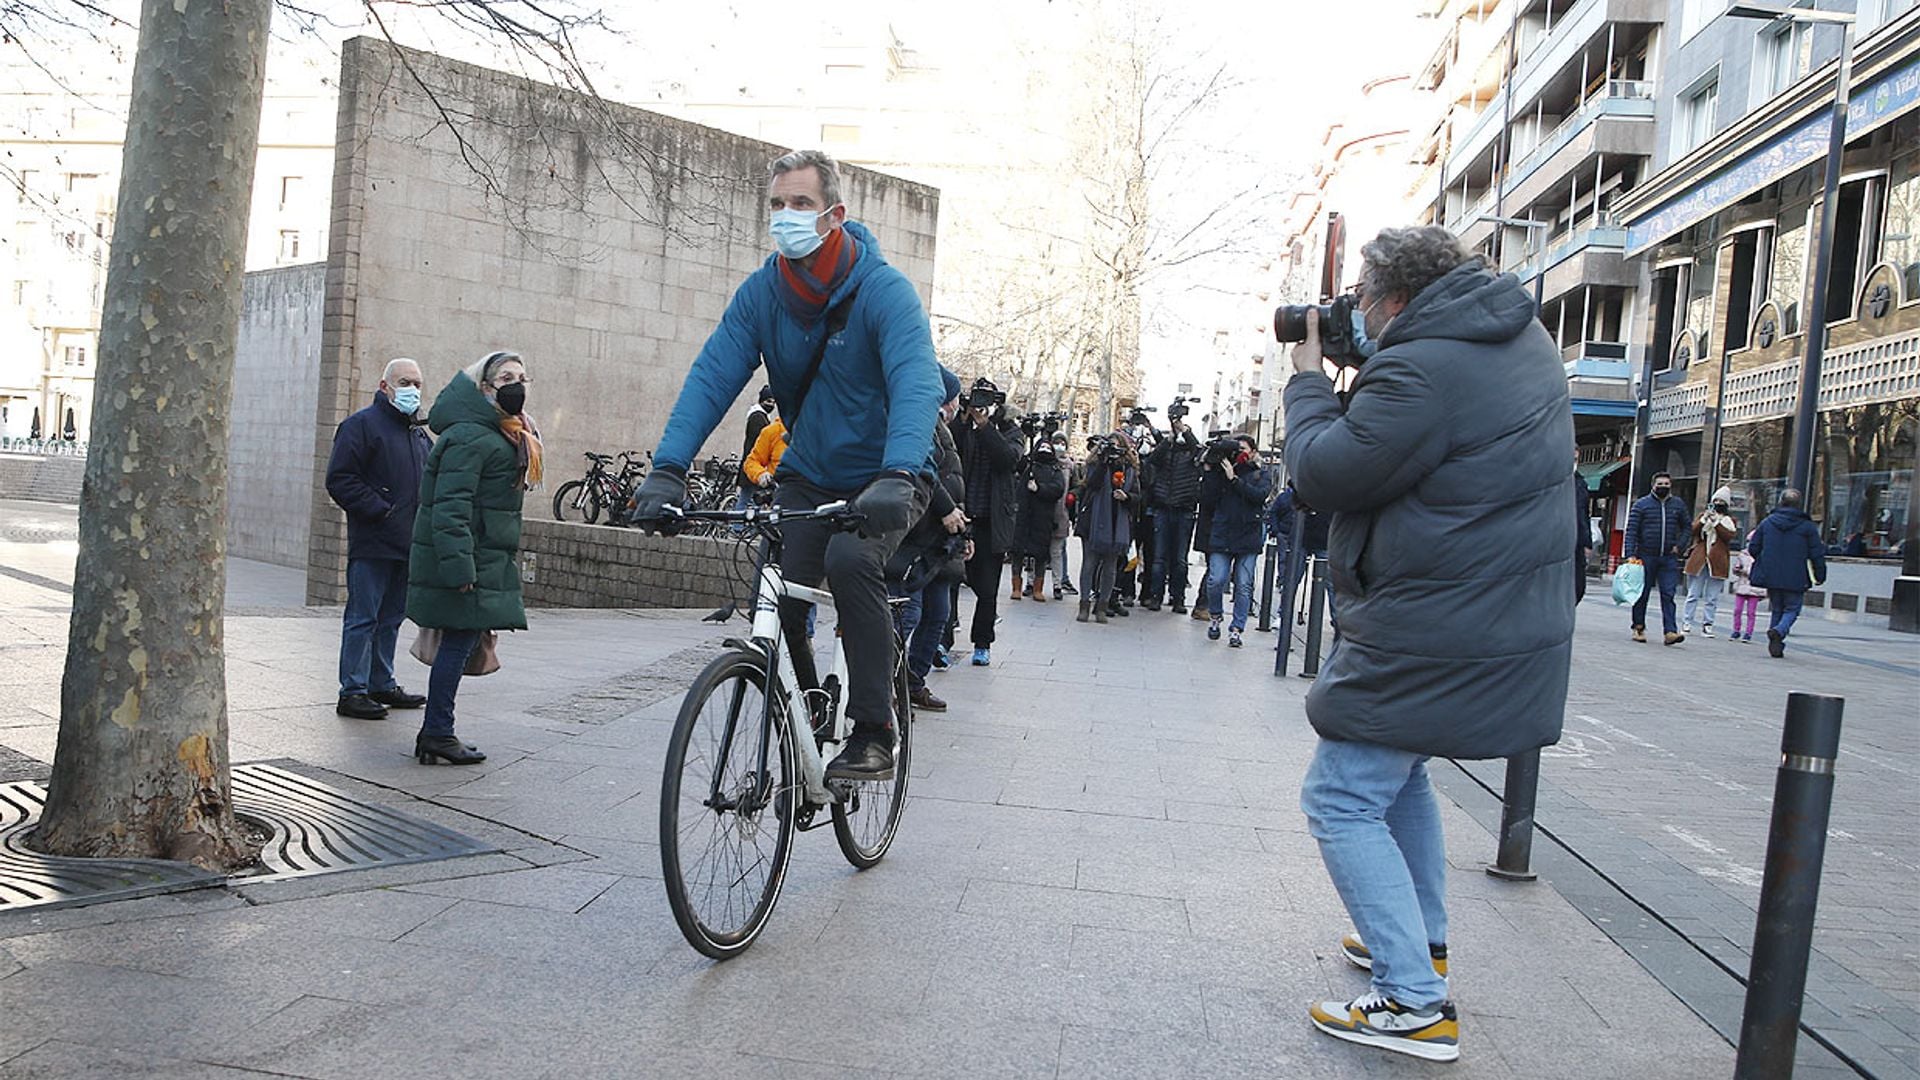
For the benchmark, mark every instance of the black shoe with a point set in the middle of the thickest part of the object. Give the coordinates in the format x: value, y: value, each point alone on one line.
x: 1776, y: 644
x: 1179, y: 608
x: 1121, y: 610
x: 923, y: 699
x: 867, y: 756
x: 1067, y: 587
x: 360, y: 707
x: 1151, y: 605
x: 398, y: 698
x: 432, y: 749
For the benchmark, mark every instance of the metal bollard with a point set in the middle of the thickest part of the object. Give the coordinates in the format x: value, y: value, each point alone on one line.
x: 1514, y: 861
x: 1289, y: 594
x: 1266, y: 588
x: 1789, y: 887
x: 1316, y: 614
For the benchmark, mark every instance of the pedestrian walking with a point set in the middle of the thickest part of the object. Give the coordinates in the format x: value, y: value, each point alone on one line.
x: 1788, y: 559
x: 1709, y: 561
x: 1656, y: 528
x: 1445, y: 473
x: 464, y: 578
x: 373, y: 474
x: 1746, y: 595
x: 1239, y: 532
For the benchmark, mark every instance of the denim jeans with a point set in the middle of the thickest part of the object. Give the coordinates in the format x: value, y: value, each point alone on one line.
x: 1060, y: 575
x: 376, y: 606
x: 448, y: 665
x: 1371, y: 808
x: 1663, y: 573
x: 1172, y: 543
x: 934, y: 604
x: 1219, y: 566
x: 1703, y: 595
x: 1783, y: 607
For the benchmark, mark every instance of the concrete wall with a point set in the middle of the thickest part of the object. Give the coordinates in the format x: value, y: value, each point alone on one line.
x: 600, y: 242
x: 42, y: 479
x: 276, y: 373
x: 573, y: 565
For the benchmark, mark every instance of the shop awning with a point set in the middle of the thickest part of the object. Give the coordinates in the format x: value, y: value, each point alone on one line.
x: 1597, y: 472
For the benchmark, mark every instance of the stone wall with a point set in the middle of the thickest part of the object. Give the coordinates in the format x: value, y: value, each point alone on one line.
x: 573, y: 565
x: 40, y: 478
x: 276, y: 373
x: 600, y: 242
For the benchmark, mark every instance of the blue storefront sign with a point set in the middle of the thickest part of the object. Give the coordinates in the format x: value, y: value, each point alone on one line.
x: 1871, y: 106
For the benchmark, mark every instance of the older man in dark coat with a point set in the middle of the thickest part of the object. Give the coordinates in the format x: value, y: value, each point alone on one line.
x: 1446, y: 477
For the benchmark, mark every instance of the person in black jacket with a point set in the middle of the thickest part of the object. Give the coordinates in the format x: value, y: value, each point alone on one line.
x: 1583, y: 533
x: 1239, y: 532
x: 1658, y: 531
x: 379, y: 454
x: 763, y: 412
x: 1172, y: 501
x: 989, y: 452
x: 931, y: 560
x: 1040, y: 491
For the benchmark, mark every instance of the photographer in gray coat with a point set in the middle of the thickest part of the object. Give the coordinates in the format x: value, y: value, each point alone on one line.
x: 1446, y: 477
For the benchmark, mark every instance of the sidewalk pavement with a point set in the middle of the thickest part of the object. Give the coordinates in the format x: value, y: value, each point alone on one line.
x: 1103, y: 872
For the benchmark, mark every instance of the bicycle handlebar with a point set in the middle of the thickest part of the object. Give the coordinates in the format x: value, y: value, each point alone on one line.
x: 839, y: 513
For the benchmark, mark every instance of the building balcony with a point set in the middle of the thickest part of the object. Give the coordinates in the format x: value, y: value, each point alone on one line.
x: 1619, y: 122
x: 1591, y: 256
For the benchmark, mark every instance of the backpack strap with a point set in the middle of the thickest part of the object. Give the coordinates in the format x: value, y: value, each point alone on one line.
x: 836, y: 321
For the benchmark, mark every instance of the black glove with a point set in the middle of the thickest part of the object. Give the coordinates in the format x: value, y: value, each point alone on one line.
x: 888, y: 505
x: 665, y: 486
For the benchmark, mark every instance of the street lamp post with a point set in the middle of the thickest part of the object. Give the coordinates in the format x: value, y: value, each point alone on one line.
x: 1806, y: 416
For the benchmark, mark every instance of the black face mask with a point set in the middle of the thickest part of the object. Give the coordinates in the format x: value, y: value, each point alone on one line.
x: 1662, y: 491
x: 511, y: 398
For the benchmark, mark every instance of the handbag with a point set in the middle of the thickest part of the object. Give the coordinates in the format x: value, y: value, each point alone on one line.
x: 483, y: 660
x: 1629, y: 581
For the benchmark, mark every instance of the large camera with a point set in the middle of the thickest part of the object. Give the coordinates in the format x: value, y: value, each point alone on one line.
x: 1221, y: 446
x: 985, y: 395
x: 1338, y: 320
x: 1106, y: 451
x: 1041, y: 423
x: 1178, y: 410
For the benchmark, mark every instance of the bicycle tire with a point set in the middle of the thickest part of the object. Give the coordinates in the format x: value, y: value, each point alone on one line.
x: 595, y: 502
x: 564, y: 496
x: 733, y: 668
x: 866, y: 823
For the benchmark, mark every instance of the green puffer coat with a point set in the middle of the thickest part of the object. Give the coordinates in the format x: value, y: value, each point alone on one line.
x: 468, y: 528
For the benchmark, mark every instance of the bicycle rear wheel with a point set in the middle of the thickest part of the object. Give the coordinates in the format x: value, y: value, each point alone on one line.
x: 591, y: 506
x: 564, y: 498
x: 724, y: 861
x: 866, y: 820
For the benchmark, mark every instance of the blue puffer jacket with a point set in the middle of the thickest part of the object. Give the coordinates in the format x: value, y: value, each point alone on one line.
x: 1787, y: 552
x: 1657, y: 527
x: 374, y: 475
x: 1239, y: 522
x: 873, y: 405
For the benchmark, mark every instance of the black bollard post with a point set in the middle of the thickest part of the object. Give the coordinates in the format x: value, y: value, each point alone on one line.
x: 1514, y: 861
x: 1266, y: 588
x: 1289, y: 597
x: 1789, y: 887
x: 1316, y: 614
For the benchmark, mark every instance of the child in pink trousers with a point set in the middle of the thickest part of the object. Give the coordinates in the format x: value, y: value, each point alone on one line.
x: 1746, y: 595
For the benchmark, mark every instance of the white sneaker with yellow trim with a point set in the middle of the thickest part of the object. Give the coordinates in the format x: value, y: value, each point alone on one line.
x: 1373, y: 1019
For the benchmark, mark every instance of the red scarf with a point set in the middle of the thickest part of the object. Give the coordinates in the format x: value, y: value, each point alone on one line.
x: 806, y: 295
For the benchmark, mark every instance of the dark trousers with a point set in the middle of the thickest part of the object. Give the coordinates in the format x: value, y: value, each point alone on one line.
x: 449, y: 664
x: 983, y: 577
x: 1172, y: 544
x: 376, y: 606
x: 1663, y: 572
x: 854, y: 568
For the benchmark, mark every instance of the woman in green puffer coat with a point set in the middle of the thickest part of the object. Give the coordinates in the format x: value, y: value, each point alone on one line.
x: 462, y: 576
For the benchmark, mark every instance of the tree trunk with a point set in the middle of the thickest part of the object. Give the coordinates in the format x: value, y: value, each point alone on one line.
x: 141, y: 764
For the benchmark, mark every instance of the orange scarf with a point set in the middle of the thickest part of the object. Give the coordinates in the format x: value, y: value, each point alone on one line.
x: 524, y: 437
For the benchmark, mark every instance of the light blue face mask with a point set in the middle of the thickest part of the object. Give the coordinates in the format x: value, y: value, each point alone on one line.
x: 793, y: 232
x: 1362, y: 342
x: 407, y: 399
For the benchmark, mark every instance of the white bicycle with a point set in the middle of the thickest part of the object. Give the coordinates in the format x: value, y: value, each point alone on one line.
x: 746, y: 766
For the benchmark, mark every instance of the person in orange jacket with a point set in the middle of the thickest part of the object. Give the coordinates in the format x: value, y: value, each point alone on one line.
x: 765, y: 458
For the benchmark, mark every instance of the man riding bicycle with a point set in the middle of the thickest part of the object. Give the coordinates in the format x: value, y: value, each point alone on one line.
x: 849, y: 355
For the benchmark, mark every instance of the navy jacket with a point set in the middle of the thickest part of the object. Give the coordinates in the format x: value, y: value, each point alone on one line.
x: 1176, y: 472
x: 1657, y: 527
x: 374, y: 475
x: 1787, y: 552
x: 1239, y: 521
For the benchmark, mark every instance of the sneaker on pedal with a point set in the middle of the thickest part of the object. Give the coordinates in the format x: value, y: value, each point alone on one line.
x: 1357, y: 954
x: 1373, y: 1019
x: 868, y: 755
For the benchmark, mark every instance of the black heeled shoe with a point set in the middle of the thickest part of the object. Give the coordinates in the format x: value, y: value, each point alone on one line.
x: 432, y: 749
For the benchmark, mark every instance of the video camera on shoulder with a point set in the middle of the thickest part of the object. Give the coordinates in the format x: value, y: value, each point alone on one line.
x: 1178, y: 410
x: 1340, y: 327
x: 985, y: 395
x: 1042, y: 423
x: 1222, y: 446
x: 1106, y: 451
x: 1139, y: 418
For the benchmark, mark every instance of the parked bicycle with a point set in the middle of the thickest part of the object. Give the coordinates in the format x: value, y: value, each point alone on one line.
x: 746, y: 765
x: 711, y: 487
x: 601, y: 491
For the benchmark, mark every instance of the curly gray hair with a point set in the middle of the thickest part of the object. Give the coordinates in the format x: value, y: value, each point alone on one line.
x: 827, y: 168
x: 1403, y: 261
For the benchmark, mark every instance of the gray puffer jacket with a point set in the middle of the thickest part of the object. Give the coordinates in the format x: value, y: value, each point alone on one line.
x: 1447, y: 479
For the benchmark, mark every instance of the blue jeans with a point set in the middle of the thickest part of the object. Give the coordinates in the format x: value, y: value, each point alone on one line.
x: 1371, y: 807
x: 1060, y: 575
x: 930, y: 609
x: 448, y: 665
x: 1663, y: 572
x: 1172, y: 543
x: 1219, y: 565
x: 376, y: 606
x: 1783, y: 607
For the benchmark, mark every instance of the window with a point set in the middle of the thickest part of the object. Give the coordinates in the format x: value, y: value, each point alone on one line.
x: 1667, y: 283
x: 1856, y: 238
x: 76, y: 356
x: 842, y: 71
x: 1746, y: 285
x: 81, y: 182
x: 1776, y: 61
x: 1695, y: 14
x: 25, y: 186
x: 1788, y: 281
x: 1694, y: 124
x: 291, y: 190
x: 289, y: 245
x: 839, y: 133
x: 1868, y: 15
x: 19, y: 294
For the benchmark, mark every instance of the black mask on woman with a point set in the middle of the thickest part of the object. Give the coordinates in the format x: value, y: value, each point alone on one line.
x: 511, y: 398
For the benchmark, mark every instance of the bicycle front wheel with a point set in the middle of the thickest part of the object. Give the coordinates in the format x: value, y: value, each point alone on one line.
x: 726, y: 823
x: 596, y: 500
x: 866, y: 820
x: 564, y: 499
